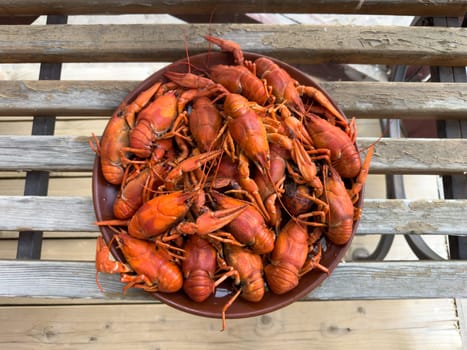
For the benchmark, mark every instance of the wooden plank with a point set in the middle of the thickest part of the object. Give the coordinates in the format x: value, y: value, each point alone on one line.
x: 340, y: 324
x: 380, y: 216
x: 402, y: 216
x: 167, y: 42
x: 206, y: 7
x: 359, y: 281
x: 34, y: 212
x: 66, y: 153
x: 417, y: 156
x: 334, y: 325
x: 69, y: 153
x: 63, y: 98
x: 360, y: 99
x: 403, y: 100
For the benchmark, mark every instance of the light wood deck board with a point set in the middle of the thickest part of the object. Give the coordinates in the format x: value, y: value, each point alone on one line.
x: 359, y: 99
x: 29, y: 212
x: 320, y: 325
x: 167, y: 43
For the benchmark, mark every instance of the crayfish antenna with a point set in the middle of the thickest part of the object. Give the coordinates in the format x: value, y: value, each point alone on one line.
x: 114, y: 222
x: 325, y: 176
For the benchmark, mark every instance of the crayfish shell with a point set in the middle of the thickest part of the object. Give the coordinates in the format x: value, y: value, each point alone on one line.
x: 273, y: 286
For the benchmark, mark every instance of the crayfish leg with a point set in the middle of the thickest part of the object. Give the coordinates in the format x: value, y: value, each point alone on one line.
x: 224, y: 276
x: 251, y: 66
x: 189, y: 164
x: 250, y: 185
x: 314, y: 262
x: 225, y: 237
x: 323, y: 210
x: 138, y: 281
x: 175, y: 252
x: 226, y: 307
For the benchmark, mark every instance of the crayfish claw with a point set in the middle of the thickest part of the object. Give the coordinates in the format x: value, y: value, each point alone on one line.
x: 228, y: 46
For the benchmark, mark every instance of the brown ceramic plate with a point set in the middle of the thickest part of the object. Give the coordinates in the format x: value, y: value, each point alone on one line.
x: 105, y: 193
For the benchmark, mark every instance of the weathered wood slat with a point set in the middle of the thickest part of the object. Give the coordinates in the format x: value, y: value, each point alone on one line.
x: 315, y: 44
x: 68, y: 153
x: 165, y: 327
x: 205, y: 7
x: 362, y: 325
x: 400, y: 100
x: 380, y: 216
x: 61, y: 213
x: 360, y: 99
x: 421, y: 156
x: 360, y: 281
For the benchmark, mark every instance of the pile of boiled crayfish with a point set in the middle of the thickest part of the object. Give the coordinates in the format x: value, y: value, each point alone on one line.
x: 239, y: 173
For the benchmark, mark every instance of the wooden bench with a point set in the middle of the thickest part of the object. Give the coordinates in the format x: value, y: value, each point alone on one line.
x: 29, y: 286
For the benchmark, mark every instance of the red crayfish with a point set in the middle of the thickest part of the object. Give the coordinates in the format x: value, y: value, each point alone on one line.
x: 236, y: 171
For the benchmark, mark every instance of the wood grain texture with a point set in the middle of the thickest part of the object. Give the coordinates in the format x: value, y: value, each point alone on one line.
x: 399, y: 100
x: 380, y: 216
x: 363, y: 325
x: 359, y: 281
x: 166, y: 42
x: 205, y: 7
x: 359, y: 99
x: 70, y: 153
x: 47, y: 152
x: 31, y: 213
x: 417, y: 156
